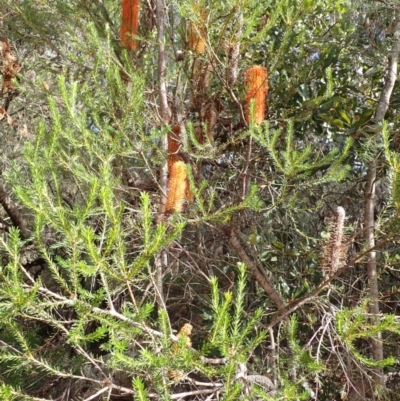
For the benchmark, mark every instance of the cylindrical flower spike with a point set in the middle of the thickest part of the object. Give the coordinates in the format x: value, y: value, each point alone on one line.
x: 196, y: 42
x: 174, y: 143
x: 197, y: 33
x: 129, y: 23
x: 256, y: 88
x: 177, y: 185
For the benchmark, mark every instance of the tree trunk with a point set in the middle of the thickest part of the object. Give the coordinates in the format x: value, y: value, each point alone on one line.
x: 161, y: 258
x: 369, y: 221
x: 376, y: 343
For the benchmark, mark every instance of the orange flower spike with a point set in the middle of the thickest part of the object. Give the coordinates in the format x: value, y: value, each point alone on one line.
x: 129, y: 23
x: 196, y: 42
x: 197, y: 33
x: 256, y: 84
x: 177, y: 185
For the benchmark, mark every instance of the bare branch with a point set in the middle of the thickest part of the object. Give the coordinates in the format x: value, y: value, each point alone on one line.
x: 189, y: 393
x: 14, y: 214
x: 261, y: 278
x: 383, y: 103
x: 95, y: 395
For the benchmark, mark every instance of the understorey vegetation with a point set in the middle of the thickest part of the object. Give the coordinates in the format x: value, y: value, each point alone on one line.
x: 199, y: 200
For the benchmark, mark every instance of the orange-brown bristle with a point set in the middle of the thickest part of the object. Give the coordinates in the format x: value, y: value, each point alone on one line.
x: 197, y: 33
x: 177, y: 184
x: 129, y: 23
x: 256, y: 88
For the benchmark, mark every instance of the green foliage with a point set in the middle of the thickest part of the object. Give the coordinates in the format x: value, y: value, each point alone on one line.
x: 229, y: 331
x: 140, y: 390
x: 92, y: 298
x: 302, y: 357
x: 393, y: 161
x: 295, y: 164
x: 355, y: 324
x: 233, y: 337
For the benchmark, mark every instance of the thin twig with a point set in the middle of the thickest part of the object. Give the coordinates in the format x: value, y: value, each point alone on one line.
x: 245, y: 177
x: 189, y: 393
x: 93, y: 396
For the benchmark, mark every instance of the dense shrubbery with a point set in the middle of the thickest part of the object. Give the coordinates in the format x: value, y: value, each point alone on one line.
x: 186, y: 206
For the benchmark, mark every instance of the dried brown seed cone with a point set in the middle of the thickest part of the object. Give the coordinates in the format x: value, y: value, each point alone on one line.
x: 10, y: 65
x: 177, y: 184
x: 199, y: 133
x: 233, y: 54
x: 129, y: 23
x: 256, y: 88
x: 210, y: 117
x: 334, y: 252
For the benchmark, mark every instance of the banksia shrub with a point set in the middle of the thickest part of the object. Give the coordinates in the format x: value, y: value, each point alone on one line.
x: 177, y: 186
x: 256, y: 85
x: 197, y: 33
x: 129, y: 23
